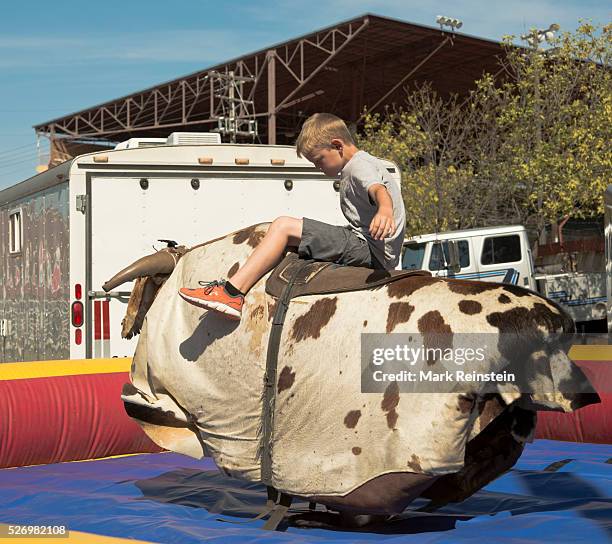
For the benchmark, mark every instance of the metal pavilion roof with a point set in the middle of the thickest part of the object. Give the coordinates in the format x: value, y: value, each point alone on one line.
x: 362, y: 62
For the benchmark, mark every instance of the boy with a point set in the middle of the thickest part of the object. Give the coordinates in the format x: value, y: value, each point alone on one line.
x: 369, y: 199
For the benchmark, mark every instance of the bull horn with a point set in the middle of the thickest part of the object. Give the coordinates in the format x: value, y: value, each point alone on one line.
x: 162, y: 262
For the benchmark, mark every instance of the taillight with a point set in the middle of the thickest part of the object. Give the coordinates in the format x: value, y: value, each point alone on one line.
x: 78, y: 291
x: 77, y: 314
x: 78, y: 337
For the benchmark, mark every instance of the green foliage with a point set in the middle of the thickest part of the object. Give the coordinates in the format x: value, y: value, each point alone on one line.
x: 532, y: 146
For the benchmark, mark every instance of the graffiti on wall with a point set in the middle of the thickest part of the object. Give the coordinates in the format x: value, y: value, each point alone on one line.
x: 34, y: 282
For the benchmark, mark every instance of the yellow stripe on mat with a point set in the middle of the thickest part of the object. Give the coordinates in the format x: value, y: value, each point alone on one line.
x: 73, y: 536
x: 593, y: 352
x: 92, y: 459
x: 66, y: 367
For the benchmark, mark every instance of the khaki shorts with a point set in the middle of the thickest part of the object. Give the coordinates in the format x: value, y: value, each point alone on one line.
x: 324, y: 242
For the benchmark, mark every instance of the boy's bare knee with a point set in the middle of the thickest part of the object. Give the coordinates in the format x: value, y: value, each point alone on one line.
x: 281, y: 222
x: 289, y: 226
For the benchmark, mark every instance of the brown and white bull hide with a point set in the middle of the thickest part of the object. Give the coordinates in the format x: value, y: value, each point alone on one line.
x: 198, y: 378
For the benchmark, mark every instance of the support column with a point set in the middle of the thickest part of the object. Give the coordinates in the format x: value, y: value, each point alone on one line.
x: 356, y: 92
x: 271, y: 98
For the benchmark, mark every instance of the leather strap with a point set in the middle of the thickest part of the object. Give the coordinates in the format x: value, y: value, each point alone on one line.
x: 282, y: 501
x: 273, y: 499
x: 271, y: 371
x: 278, y: 513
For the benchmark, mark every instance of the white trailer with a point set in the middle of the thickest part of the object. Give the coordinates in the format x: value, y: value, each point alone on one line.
x: 502, y: 254
x: 68, y: 230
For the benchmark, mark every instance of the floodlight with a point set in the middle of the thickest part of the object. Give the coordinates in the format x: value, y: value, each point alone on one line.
x: 448, y: 21
x: 536, y: 36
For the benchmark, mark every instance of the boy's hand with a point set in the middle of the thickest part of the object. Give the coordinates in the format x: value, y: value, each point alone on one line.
x: 382, y: 224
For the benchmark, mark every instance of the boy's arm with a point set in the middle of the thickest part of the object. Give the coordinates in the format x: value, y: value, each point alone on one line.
x: 382, y: 224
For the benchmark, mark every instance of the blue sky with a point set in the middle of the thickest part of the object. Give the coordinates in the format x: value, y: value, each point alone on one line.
x: 63, y: 56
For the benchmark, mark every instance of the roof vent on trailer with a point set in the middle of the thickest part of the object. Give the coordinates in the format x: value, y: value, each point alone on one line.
x: 194, y: 138
x: 141, y: 142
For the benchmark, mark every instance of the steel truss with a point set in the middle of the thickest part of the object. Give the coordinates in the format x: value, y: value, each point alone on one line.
x: 223, y: 98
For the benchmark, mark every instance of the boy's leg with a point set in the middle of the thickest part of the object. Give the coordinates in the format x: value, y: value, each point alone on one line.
x: 324, y: 242
x: 282, y: 232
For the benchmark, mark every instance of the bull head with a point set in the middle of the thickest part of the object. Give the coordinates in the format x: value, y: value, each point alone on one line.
x: 150, y: 273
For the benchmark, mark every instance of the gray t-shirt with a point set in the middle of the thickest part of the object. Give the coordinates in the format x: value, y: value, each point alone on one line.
x: 359, y: 173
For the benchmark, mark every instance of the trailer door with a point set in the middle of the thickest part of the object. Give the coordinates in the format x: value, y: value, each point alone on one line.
x: 129, y: 215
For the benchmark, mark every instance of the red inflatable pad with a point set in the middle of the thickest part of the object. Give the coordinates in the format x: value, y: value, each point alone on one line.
x: 592, y: 423
x: 59, y: 411
x: 66, y: 418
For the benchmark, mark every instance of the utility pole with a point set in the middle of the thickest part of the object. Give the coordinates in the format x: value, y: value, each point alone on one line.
x: 234, y: 114
x: 271, y: 97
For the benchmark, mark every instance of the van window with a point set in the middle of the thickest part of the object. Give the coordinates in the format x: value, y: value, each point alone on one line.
x: 436, y: 261
x: 413, y: 256
x: 15, y: 232
x: 501, y: 249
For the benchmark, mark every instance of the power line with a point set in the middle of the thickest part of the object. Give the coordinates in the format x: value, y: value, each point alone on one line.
x: 35, y: 111
x: 18, y: 155
x: 9, y: 165
x: 16, y: 148
x: 14, y: 171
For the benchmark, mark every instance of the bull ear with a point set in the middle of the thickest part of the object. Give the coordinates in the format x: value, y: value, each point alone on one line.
x: 140, y: 302
x: 127, y: 324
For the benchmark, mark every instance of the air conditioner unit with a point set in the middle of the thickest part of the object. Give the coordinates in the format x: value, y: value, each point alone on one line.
x: 194, y: 138
x: 141, y: 142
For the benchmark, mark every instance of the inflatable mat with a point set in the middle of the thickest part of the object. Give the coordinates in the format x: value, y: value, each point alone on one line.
x: 558, y: 491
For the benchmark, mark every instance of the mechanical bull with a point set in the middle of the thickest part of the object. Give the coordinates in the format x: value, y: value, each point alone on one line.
x: 276, y: 398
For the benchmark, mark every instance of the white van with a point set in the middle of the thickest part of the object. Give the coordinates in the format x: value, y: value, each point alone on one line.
x: 499, y: 254
x: 502, y: 254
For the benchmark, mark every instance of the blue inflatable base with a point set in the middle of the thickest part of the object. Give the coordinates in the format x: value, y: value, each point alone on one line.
x: 558, y: 491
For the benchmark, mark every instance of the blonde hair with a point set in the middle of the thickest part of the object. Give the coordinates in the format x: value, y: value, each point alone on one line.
x: 319, y: 130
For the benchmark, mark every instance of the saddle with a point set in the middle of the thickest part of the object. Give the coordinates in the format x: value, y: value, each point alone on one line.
x: 310, y: 277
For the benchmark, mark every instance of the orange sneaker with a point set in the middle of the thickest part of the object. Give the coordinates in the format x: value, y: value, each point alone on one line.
x: 213, y: 296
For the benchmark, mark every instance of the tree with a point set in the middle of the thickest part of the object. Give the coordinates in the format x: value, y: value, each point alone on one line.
x: 532, y: 147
